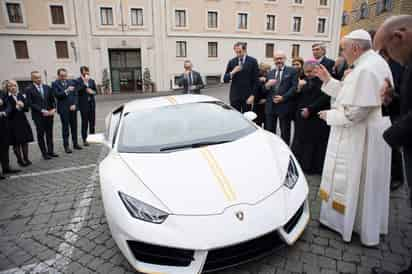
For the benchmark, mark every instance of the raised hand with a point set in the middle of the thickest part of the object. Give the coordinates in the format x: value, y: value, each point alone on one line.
x: 322, y: 73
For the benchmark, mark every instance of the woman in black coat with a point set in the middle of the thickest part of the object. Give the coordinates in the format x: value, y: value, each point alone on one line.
x: 311, y: 132
x: 20, y: 131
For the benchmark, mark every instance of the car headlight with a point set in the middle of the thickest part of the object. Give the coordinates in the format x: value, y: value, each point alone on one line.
x: 142, y: 211
x: 292, y: 175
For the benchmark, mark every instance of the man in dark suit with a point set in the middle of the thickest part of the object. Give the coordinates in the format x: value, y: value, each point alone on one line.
x: 392, y: 109
x: 43, y: 107
x: 319, y: 53
x: 86, y: 89
x: 190, y: 80
x: 67, y: 104
x: 281, y: 88
x: 5, y: 109
x: 395, y: 37
x: 243, y: 72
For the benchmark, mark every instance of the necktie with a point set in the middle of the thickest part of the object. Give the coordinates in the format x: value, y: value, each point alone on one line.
x: 40, y: 88
x: 190, y: 79
x: 278, y: 72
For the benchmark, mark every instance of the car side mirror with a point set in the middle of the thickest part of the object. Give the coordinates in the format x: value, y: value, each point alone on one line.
x: 250, y: 115
x: 97, y: 138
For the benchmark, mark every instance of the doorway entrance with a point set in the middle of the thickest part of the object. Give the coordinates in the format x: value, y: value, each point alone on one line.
x: 126, y: 70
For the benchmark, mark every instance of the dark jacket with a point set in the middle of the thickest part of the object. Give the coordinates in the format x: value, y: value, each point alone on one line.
x: 197, y: 82
x: 328, y: 63
x: 4, y: 124
x: 19, y: 128
x: 85, y: 98
x: 339, y: 71
x: 65, y: 100
x: 400, y: 134
x: 37, y: 102
x: 244, y: 82
x: 393, y: 109
x: 287, y: 89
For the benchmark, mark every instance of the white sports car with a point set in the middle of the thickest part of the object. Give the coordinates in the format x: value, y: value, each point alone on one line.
x: 190, y: 185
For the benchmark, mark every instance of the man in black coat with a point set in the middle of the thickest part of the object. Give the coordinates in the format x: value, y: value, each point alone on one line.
x: 190, y: 80
x: 67, y: 105
x: 243, y: 73
x: 392, y: 109
x: 5, y: 109
x: 395, y: 37
x: 86, y: 90
x: 281, y: 89
x: 319, y: 53
x: 43, y: 107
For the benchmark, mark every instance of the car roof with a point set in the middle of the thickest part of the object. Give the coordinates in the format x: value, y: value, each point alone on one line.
x: 156, y: 102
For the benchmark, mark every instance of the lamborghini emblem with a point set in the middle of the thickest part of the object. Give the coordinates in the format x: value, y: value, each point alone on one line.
x: 240, y: 215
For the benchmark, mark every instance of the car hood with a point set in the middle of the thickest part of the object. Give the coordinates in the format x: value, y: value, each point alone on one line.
x: 207, y: 180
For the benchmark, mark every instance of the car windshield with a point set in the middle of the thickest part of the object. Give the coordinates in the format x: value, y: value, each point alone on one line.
x: 182, y: 126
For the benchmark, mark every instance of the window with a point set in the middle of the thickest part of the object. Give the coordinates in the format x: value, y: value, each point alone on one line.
x: 14, y: 12
x: 21, y: 50
x: 323, y: 3
x: 137, y: 17
x: 321, y: 25
x: 170, y: 128
x: 379, y: 7
x: 212, y: 49
x: 213, y: 80
x: 270, y: 22
x: 106, y: 16
x: 180, y: 18
x: 242, y: 22
x: 298, y: 2
x: 212, y: 19
x: 295, y: 50
x: 364, y: 11
x: 345, y: 18
x: 62, y: 51
x: 181, y: 49
x: 269, y: 50
x: 388, y: 5
x: 57, y: 15
x: 297, y: 24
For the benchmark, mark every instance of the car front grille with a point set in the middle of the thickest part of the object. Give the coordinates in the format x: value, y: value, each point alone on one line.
x: 153, y: 254
x: 241, y: 253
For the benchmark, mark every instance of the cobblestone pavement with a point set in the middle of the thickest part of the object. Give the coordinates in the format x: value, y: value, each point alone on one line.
x: 52, y: 221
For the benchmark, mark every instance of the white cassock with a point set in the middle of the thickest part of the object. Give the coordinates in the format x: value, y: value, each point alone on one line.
x: 356, y: 175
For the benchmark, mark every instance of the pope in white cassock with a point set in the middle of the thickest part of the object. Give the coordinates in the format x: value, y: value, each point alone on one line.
x: 356, y: 175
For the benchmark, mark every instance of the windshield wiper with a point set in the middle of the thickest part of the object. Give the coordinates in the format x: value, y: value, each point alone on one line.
x: 195, y: 145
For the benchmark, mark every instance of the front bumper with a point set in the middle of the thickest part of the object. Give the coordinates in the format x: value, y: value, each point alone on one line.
x: 220, y: 241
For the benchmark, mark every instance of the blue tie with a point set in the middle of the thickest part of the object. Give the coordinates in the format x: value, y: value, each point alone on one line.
x: 41, y: 91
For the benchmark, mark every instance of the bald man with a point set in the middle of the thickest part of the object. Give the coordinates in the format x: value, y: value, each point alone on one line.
x: 395, y: 38
x: 281, y: 89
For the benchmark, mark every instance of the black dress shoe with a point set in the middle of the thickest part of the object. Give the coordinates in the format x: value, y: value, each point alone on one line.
x: 46, y: 157
x: 54, y: 155
x: 28, y: 162
x: 11, y: 171
x: 21, y: 163
x: 67, y: 150
x: 77, y: 147
x: 86, y: 144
